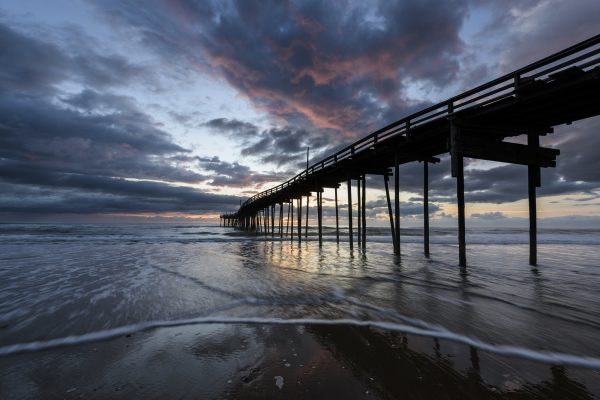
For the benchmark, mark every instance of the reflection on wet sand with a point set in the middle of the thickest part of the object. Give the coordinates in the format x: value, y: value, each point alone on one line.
x: 399, y: 372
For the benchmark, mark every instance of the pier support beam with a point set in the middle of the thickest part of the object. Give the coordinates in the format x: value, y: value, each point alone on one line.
x: 458, y: 173
x: 358, y: 212
x: 533, y: 181
x: 306, y: 225
x: 426, y: 208
x: 350, y: 239
x: 337, y: 219
x: 397, y: 204
x: 291, y: 206
x: 272, y: 220
x: 287, y: 221
x: 281, y: 220
x: 364, y: 214
x: 300, y: 219
x: 320, y: 215
x: 386, y: 178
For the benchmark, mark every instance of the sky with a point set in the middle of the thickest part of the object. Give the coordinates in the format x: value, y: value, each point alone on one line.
x: 179, y: 110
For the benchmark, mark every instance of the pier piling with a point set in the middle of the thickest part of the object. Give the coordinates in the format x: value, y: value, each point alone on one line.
x: 350, y: 239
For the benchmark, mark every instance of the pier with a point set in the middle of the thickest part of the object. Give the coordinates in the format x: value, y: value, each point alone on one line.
x: 528, y: 103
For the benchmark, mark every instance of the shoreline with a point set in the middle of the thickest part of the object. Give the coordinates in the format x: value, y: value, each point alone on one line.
x: 285, y: 361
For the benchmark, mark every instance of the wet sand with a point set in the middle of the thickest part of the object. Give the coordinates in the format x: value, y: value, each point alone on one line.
x: 162, y: 312
x: 263, y: 361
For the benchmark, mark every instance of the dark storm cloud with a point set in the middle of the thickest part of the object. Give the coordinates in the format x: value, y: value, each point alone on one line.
x: 530, y: 30
x: 89, y: 152
x: 280, y: 146
x: 336, y: 66
x: 118, y: 143
x: 106, y: 195
x: 234, y: 174
x: 34, y: 65
x: 233, y: 127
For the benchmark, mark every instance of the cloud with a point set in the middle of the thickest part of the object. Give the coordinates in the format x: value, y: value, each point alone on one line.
x: 492, y: 215
x: 117, y: 143
x: 324, y: 73
x: 234, y: 174
x: 91, y: 151
x: 336, y: 66
x: 33, y: 65
x: 282, y: 146
x: 109, y: 195
x: 530, y: 30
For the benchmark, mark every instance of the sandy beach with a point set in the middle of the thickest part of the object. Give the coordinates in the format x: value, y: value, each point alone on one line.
x: 254, y: 362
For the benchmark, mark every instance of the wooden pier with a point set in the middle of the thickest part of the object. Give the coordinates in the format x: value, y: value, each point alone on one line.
x: 531, y: 101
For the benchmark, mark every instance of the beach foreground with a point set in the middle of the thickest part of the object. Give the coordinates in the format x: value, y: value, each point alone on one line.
x: 194, y: 312
x: 263, y: 361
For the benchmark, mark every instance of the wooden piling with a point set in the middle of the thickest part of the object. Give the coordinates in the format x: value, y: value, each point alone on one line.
x: 306, y: 225
x: 390, y: 213
x: 364, y: 213
x: 320, y: 215
x: 397, y: 203
x: 337, y: 219
x: 460, y: 197
x: 459, y: 173
x: 300, y: 219
x: 272, y: 220
x: 358, y: 214
x: 291, y: 206
x: 287, y: 221
x: 281, y: 220
x: 533, y: 181
x: 350, y: 239
x: 426, y: 208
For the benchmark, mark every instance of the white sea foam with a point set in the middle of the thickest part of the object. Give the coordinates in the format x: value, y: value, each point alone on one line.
x: 547, y: 357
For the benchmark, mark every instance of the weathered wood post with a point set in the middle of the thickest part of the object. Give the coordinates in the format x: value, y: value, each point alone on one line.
x: 364, y: 213
x: 350, y: 239
x: 320, y: 214
x: 272, y: 220
x: 426, y: 208
x: 337, y: 220
x: 386, y: 178
x: 291, y: 208
x: 306, y: 223
x: 300, y: 219
x: 397, y: 203
x: 281, y: 220
x: 358, y: 214
x: 458, y: 173
x: 534, y: 180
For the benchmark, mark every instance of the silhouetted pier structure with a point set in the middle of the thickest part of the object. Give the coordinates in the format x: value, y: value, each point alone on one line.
x: 529, y: 102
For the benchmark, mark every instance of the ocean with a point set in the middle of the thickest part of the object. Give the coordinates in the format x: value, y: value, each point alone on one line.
x: 193, y: 311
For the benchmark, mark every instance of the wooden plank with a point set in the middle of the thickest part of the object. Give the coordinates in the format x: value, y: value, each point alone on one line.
x: 513, y: 153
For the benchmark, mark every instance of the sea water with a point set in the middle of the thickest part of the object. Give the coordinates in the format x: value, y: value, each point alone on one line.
x: 63, y: 285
